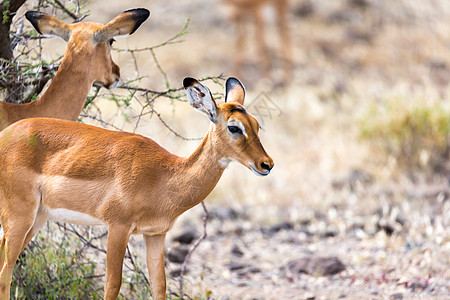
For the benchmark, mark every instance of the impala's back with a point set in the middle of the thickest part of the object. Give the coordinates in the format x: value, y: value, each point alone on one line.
x: 64, y: 169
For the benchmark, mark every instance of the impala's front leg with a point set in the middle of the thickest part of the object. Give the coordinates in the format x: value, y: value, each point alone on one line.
x: 118, y: 236
x: 155, y: 265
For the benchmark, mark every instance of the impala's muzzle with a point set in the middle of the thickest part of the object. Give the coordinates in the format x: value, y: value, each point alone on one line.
x: 107, y: 85
x: 114, y: 84
x: 112, y: 80
x: 262, y: 168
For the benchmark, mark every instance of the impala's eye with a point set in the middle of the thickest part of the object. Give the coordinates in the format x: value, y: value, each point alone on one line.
x: 234, y: 130
x: 111, y: 42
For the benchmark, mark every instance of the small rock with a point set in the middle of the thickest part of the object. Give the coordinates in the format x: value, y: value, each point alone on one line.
x: 329, y: 233
x: 418, y: 285
x: 224, y: 213
x: 322, y: 266
x: 396, y: 296
x: 236, y: 251
x: 388, y: 226
x: 235, y: 266
x: 239, y: 231
x: 344, y: 16
x: 282, y: 226
x: 309, y: 296
x: 358, y: 35
x: 255, y: 270
x: 178, y: 254
x: 305, y: 222
x: 305, y: 9
x: 187, y: 236
x: 359, y: 3
x: 352, y: 179
x: 176, y: 272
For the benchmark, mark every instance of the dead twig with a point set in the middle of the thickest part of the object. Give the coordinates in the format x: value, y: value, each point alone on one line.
x: 192, y: 249
x: 66, y: 10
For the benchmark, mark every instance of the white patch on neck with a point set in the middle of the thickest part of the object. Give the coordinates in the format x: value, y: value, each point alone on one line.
x: 224, y: 162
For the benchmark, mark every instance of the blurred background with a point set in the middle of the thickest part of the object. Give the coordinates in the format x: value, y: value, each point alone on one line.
x: 353, y: 100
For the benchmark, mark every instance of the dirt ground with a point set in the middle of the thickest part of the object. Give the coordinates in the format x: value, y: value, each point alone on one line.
x: 330, y: 194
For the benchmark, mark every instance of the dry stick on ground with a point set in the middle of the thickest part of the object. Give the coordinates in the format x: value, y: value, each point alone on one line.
x: 197, y: 243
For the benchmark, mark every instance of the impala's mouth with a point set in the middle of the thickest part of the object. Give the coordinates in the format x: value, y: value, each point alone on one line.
x: 114, y: 84
x: 259, y: 173
x: 100, y: 84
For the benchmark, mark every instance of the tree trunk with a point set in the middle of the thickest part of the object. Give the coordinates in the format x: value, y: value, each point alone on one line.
x: 8, y: 9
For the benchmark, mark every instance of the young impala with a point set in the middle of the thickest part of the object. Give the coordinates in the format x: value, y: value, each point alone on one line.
x: 87, y: 60
x: 72, y: 172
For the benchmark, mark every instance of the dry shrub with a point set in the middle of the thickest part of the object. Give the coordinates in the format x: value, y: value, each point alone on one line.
x: 48, y: 269
x: 415, y: 133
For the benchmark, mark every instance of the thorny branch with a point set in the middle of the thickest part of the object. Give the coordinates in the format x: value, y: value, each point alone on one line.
x: 66, y: 10
x: 172, y: 40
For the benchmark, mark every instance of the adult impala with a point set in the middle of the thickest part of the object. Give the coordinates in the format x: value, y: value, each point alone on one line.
x: 244, y: 10
x: 87, y: 60
x: 67, y: 171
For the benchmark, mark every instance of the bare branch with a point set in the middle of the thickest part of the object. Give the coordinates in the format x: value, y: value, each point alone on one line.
x: 192, y: 249
x: 66, y: 10
x: 169, y: 41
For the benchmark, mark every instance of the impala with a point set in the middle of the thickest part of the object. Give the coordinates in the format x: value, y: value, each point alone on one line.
x: 253, y: 9
x: 87, y: 60
x: 77, y: 173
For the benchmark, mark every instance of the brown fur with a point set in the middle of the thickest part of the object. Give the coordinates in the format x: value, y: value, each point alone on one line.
x: 124, y: 180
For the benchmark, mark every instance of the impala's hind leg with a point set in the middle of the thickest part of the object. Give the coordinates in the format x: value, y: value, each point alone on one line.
x: 2, y: 251
x: 17, y: 224
x: 13, y: 239
x: 39, y: 222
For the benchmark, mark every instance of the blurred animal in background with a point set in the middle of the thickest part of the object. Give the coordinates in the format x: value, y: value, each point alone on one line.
x: 244, y: 11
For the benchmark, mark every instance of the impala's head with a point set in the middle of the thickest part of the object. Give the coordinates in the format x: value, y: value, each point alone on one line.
x: 235, y: 131
x: 89, y: 44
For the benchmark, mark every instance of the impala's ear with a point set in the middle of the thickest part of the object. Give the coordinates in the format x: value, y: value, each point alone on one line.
x: 124, y: 24
x: 200, y: 98
x: 234, y: 91
x: 48, y: 25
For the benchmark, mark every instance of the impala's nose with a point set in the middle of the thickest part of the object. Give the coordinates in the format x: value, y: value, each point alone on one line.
x: 262, y: 168
x: 266, y: 166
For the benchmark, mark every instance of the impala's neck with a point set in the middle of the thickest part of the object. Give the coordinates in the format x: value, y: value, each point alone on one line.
x: 198, y: 174
x: 66, y: 95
